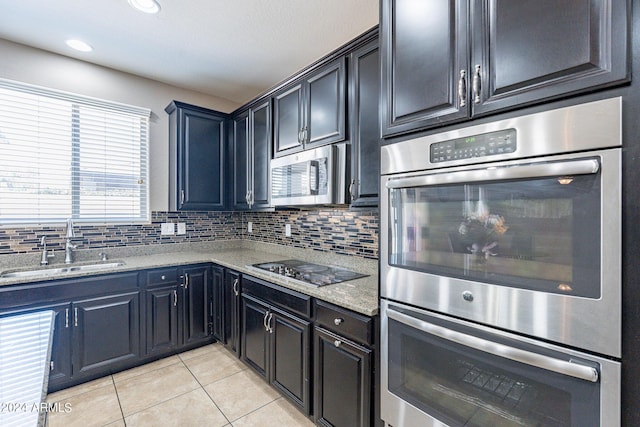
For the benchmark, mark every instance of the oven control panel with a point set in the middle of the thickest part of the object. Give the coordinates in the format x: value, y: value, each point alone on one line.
x: 483, y: 145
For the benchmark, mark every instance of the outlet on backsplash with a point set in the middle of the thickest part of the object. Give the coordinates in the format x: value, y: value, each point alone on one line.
x: 167, y: 228
x: 287, y: 230
x: 250, y: 227
x: 182, y: 228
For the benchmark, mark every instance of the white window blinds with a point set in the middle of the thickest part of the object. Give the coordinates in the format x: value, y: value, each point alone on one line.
x: 68, y: 156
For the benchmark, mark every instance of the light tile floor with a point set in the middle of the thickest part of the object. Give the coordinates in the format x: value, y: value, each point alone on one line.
x: 202, y: 387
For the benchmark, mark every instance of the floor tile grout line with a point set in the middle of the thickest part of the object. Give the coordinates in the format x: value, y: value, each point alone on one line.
x: 162, y: 402
x: 208, y: 395
x: 115, y: 388
x: 145, y: 372
x: 257, y: 409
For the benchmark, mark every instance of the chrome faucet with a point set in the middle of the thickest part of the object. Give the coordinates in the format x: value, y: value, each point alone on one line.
x: 69, y: 247
x: 44, y: 260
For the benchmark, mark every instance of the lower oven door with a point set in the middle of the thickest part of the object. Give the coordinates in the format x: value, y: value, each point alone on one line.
x: 440, y: 371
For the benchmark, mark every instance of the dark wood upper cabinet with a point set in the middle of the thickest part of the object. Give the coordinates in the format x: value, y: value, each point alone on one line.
x: 364, y: 94
x: 196, y: 151
x: 252, y: 154
x: 535, y: 50
x: 288, y: 120
x: 423, y: 50
x: 311, y: 112
x: 448, y: 60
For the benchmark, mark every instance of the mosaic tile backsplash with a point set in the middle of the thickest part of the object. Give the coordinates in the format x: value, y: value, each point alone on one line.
x: 332, y: 230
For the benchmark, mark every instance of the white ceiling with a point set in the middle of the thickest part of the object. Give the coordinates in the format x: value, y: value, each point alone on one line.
x: 234, y: 49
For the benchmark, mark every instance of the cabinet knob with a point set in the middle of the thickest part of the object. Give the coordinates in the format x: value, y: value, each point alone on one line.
x: 163, y: 277
x: 337, y: 343
x: 337, y: 321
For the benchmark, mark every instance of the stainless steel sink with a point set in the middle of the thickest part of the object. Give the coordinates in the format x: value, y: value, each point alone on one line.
x: 40, y: 272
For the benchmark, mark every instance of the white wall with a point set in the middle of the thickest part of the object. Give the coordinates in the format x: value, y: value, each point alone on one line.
x: 38, y: 67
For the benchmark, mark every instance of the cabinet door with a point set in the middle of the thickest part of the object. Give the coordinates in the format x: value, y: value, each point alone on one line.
x: 290, y: 357
x: 196, y: 303
x: 232, y: 311
x: 364, y: 92
x: 241, y: 156
x: 260, y: 155
x: 325, y: 105
x: 105, y: 332
x: 424, y: 50
x: 288, y: 120
x: 255, y: 337
x: 60, y: 366
x: 342, y: 381
x: 200, y: 161
x: 534, y: 50
x: 217, y: 307
x: 162, y: 319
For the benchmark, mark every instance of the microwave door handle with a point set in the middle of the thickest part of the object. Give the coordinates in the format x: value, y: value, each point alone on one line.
x: 312, y: 174
x: 548, y: 363
x: 536, y: 170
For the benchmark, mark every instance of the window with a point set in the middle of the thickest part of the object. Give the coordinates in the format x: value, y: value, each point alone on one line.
x: 68, y: 156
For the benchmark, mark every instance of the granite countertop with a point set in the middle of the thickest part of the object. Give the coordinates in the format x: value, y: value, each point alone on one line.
x: 24, y: 367
x: 359, y: 295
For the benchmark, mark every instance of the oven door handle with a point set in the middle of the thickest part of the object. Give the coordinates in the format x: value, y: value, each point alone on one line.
x: 548, y: 363
x: 535, y: 170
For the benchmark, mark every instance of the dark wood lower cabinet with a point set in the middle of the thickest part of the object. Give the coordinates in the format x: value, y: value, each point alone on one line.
x: 179, y: 307
x: 230, y: 306
x: 196, y: 296
x: 162, y: 319
x: 106, y: 332
x: 342, y: 381
x: 60, y: 365
x: 255, y: 336
x: 291, y: 357
x: 276, y: 345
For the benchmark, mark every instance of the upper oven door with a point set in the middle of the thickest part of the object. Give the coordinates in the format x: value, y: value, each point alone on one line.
x: 530, y: 245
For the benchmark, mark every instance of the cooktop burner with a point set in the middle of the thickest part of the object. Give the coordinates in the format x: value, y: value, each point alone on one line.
x: 314, y: 274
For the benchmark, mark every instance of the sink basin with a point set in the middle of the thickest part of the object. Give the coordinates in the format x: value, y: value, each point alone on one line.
x: 40, y: 272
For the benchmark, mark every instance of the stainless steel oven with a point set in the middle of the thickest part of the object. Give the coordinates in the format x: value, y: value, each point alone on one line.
x: 510, y: 231
x: 443, y: 371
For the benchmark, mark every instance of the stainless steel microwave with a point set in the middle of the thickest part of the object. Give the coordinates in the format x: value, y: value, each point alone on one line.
x: 311, y: 177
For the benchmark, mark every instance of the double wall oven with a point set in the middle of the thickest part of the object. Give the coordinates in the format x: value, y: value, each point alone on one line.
x: 501, y: 272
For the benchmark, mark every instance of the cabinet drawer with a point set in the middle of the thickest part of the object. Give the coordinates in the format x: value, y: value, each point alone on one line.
x: 344, y: 322
x: 163, y: 276
x: 286, y: 298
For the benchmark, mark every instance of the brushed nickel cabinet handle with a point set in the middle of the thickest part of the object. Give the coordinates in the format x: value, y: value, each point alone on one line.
x: 75, y: 316
x: 337, y: 343
x: 477, y: 85
x: 236, y: 292
x: 66, y: 317
x: 186, y: 281
x: 182, y: 197
x: 462, y: 88
x: 338, y: 321
x: 175, y: 298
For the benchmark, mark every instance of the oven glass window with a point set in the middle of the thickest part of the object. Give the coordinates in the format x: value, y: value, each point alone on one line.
x: 462, y: 386
x: 540, y: 234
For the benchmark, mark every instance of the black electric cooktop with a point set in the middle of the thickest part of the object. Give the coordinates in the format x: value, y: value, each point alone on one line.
x: 313, y: 274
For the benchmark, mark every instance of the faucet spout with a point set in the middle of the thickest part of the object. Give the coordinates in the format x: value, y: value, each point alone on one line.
x: 69, y: 247
x: 70, y: 234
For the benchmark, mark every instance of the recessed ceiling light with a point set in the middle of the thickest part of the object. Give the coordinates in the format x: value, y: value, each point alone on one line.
x: 146, y: 6
x: 79, y: 45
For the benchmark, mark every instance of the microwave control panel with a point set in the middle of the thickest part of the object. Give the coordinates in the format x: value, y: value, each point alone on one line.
x: 483, y: 145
